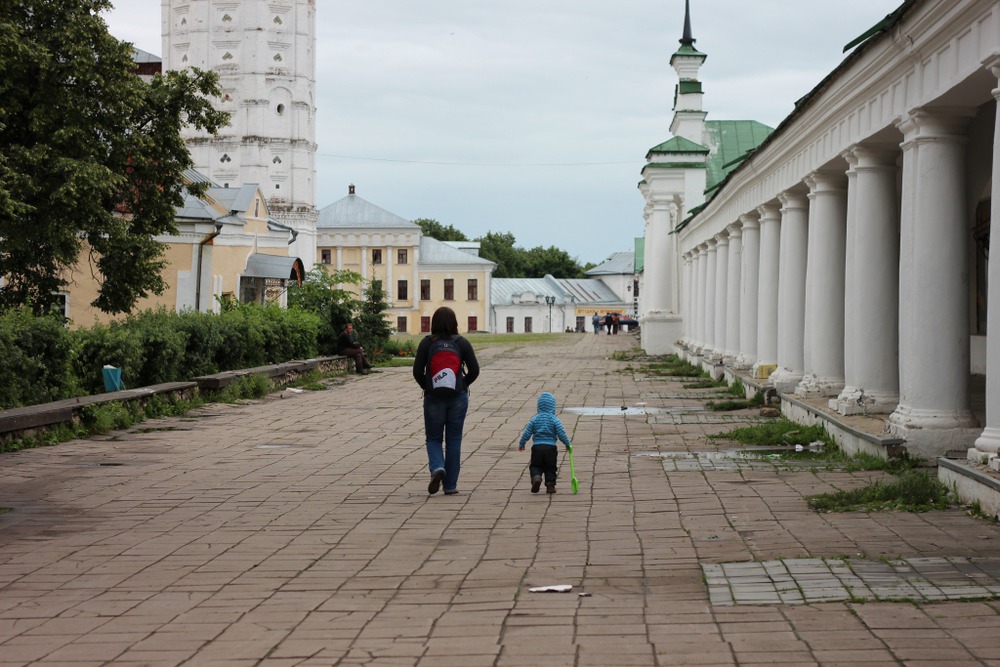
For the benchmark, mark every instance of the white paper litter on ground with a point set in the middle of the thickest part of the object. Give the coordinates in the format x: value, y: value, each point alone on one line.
x: 558, y: 588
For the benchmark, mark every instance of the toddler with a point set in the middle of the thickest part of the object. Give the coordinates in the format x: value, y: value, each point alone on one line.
x: 545, y: 427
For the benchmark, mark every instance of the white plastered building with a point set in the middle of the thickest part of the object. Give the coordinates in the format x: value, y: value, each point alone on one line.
x: 265, y: 55
x: 845, y: 258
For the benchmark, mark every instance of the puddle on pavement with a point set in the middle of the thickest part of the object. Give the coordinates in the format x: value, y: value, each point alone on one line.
x: 628, y: 411
x: 762, y: 454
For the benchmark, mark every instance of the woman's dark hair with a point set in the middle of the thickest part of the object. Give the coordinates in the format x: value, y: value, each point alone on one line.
x: 444, y: 322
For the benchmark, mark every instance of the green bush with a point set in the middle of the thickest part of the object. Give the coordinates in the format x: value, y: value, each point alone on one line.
x: 36, y: 359
x: 203, y: 332
x: 40, y: 360
x: 107, y: 345
x: 163, y: 346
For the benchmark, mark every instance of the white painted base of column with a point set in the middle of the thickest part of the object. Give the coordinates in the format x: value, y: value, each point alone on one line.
x: 729, y: 359
x: 744, y: 361
x: 930, y: 434
x: 986, y: 445
x: 813, y: 385
x: 785, y: 380
x: 856, y: 401
x: 661, y: 332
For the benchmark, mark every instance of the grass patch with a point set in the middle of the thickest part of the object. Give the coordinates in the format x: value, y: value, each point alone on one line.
x: 483, y: 340
x: 911, y: 491
x: 785, y: 434
x: 705, y: 384
x: 249, y: 386
x: 776, y: 433
x: 756, y: 401
x: 100, y: 419
x: 672, y: 366
x: 395, y: 362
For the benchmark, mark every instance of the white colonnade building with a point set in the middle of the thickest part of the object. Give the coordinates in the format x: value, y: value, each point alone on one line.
x: 844, y: 257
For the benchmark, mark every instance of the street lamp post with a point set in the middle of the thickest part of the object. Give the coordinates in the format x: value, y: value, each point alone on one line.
x: 550, y: 300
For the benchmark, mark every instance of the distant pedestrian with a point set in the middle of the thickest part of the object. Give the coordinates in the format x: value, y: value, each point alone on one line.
x: 347, y: 345
x: 444, y: 366
x: 597, y: 323
x: 615, y: 321
x: 544, y: 429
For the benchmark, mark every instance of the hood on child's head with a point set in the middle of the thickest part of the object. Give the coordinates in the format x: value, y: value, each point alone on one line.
x: 547, y: 402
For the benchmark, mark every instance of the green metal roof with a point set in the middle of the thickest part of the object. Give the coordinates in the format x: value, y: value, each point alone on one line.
x: 688, y: 50
x: 640, y: 253
x: 731, y: 140
x: 678, y: 145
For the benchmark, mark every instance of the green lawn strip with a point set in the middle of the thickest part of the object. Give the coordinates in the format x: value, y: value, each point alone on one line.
x: 910, y: 491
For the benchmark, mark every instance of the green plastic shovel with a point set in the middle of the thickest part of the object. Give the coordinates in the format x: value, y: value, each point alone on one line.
x: 574, y: 485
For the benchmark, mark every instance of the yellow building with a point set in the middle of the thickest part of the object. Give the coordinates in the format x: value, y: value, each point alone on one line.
x: 419, y: 274
x: 225, y: 246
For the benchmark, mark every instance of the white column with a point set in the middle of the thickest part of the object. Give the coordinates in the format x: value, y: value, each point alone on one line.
x: 686, y: 298
x: 933, y: 413
x: 709, y: 295
x: 701, y: 272
x: 791, y: 290
x: 748, y: 291
x: 721, y: 287
x: 657, y: 264
x: 733, y: 275
x: 871, y: 327
x: 989, y: 441
x: 767, y: 292
x: 847, y: 401
x: 824, y: 364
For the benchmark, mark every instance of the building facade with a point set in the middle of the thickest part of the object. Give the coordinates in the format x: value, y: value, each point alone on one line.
x: 845, y: 258
x: 419, y: 274
x: 265, y: 55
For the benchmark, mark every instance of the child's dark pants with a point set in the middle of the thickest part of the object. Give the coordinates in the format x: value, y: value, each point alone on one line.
x: 544, y: 461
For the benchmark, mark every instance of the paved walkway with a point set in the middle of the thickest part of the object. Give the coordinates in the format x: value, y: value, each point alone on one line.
x: 298, y: 531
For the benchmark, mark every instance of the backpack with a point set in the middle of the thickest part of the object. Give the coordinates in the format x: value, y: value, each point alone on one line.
x: 444, y: 366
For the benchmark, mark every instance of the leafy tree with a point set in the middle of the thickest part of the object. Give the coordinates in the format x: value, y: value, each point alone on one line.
x: 91, y: 157
x: 515, y: 262
x: 320, y: 294
x: 371, y: 325
x: 436, y: 230
x: 499, y: 247
x: 543, y: 261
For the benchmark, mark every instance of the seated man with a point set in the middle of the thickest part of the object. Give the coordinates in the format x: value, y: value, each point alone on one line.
x: 347, y: 345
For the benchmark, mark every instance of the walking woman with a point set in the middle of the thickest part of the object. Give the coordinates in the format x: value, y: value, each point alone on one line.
x: 444, y: 367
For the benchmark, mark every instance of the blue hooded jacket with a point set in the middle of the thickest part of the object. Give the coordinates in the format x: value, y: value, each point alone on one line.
x: 545, y: 426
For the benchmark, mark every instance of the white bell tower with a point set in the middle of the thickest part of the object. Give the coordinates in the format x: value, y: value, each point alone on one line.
x: 265, y: 54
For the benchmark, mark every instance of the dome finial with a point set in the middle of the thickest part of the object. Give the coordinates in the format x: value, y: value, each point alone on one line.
x: 687, y: 39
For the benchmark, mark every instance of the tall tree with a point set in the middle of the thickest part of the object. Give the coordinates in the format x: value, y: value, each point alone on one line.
x: 371, y: 323
x: 91, y: 157
x: 499, y: 247
x: 321, y: 293
x: 436, y: 230
x: 543, y: 261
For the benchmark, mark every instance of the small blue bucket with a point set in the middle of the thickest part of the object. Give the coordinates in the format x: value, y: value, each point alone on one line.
x: 112, y: 378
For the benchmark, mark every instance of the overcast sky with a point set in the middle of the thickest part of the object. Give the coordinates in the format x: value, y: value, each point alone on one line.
x: 534, y: 116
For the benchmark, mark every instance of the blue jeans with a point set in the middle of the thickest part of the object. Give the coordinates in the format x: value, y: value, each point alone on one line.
x: 443, y: 422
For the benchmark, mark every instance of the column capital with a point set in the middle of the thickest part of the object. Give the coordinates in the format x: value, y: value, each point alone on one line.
x: 792, y: 200
x: 750, y: 220
x: 735, y: 230
x: 936, y: 123
x: 823, y: 181
x: 711, y: 244
x: 875, y: 156
x: 722, y: 239
x: 992, y: 63
x: 769, y: 212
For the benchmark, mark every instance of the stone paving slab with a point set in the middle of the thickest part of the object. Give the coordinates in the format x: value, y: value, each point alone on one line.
x: 297, y: 530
